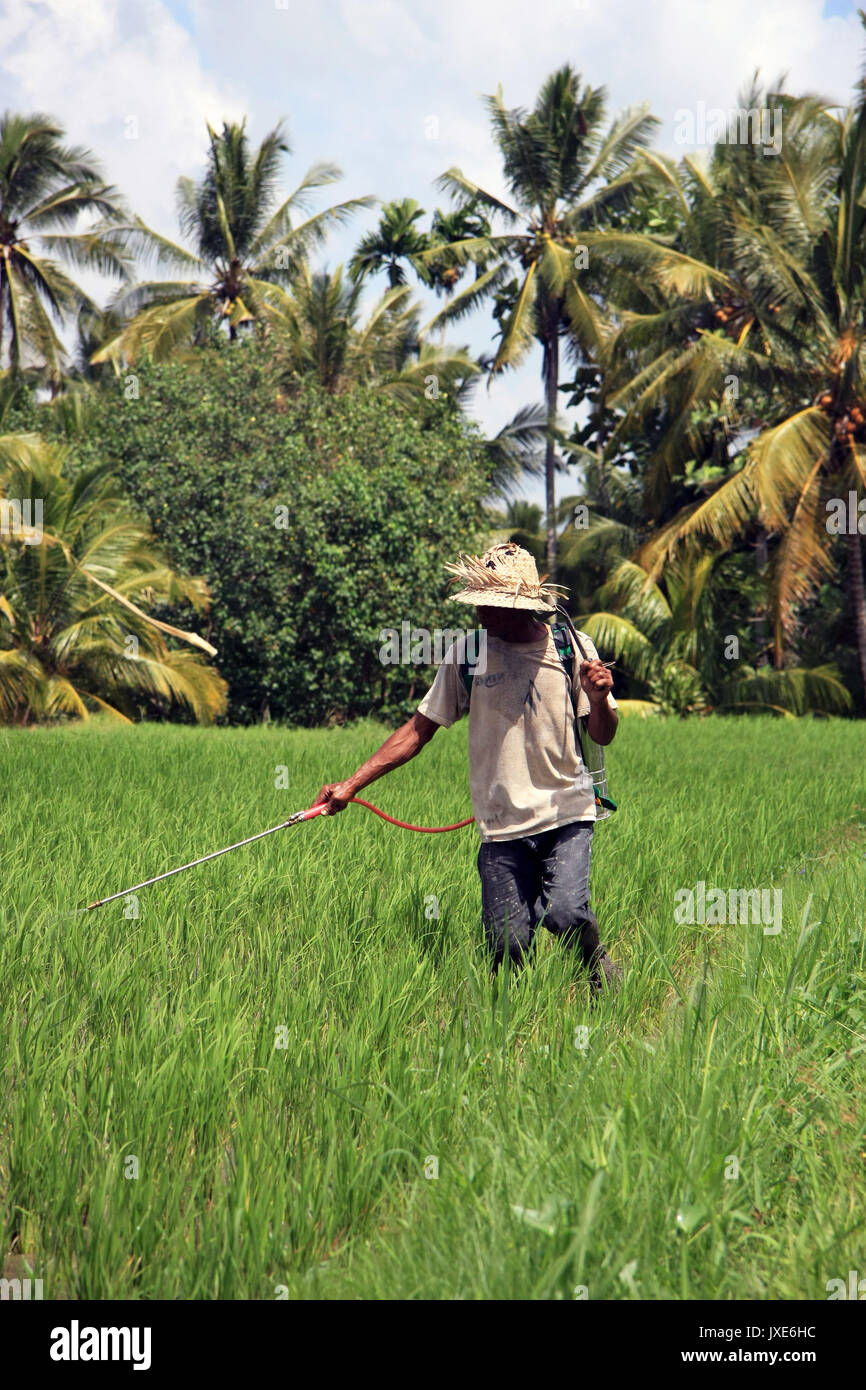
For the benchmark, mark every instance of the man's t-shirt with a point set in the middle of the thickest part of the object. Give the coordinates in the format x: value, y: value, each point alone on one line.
x: 525, y: 770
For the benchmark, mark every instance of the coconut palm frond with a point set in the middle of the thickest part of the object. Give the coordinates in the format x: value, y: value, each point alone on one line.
x: 613, y: 633
x: 629, y: 587
x: 783, y: 459
x: 795, y: 690
x: 73, y: 639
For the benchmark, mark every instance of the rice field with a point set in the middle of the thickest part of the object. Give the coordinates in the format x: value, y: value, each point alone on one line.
x: 287, y: 1074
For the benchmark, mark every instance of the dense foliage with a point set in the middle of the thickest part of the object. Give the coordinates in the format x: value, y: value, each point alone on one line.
x: 317, y: 520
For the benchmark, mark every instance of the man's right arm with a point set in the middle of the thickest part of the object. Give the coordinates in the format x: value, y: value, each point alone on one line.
x: 402, y: 745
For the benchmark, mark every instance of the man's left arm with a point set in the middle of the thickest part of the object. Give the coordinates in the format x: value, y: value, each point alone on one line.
x: 597, y: 682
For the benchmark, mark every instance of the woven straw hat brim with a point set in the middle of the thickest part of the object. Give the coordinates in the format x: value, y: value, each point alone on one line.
x: 504, y: 577
x: 488, y: 598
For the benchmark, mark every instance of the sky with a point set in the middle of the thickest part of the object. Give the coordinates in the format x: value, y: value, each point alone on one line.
x: 391, y: 91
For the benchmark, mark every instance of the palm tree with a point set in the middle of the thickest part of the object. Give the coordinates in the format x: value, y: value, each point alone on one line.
x: 444, y: 272
x: 75, y: 584
x: 512, y: 452
x: 565, y: 173
x: 45, y: 187
x: 246, y: 250
x: 460, y: 224
x: 319, y: 333
x: 708, y: 304
x: 799, y: 247
x: 395, y: 240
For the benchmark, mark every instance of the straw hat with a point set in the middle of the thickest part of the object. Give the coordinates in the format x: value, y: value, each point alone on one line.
x: 505, y: 576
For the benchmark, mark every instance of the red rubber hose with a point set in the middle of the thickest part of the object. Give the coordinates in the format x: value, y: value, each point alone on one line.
x: 425, y: 829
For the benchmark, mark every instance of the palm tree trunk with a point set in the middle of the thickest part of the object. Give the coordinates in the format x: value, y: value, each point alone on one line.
x: 857, y: 596
x: 444, y: 325
x: 762, y: 631
x: 551, y: 382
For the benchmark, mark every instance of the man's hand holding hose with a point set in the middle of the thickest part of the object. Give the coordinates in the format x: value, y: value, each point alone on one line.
x: 337, y: 795
x: 403, y: 744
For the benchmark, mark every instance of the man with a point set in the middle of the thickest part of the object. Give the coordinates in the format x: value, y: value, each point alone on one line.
x: 533, y: 798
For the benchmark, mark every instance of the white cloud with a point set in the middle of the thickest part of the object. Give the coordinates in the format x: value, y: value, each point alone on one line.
x: 384, y: 28
x: 110, y: 71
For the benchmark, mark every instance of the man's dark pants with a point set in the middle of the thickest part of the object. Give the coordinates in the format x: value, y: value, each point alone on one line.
x: 539, y: 880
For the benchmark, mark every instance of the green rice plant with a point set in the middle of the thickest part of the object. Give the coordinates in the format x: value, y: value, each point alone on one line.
x: 287, y: 1072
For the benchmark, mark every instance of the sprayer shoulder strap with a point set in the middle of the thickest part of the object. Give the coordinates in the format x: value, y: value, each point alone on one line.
x: 562, y: 636
x: 466, y: 667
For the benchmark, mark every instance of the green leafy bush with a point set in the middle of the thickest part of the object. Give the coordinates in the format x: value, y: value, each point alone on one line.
x: 373, y: 500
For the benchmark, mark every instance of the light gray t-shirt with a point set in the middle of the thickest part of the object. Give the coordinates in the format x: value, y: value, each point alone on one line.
x: 525, y: 770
